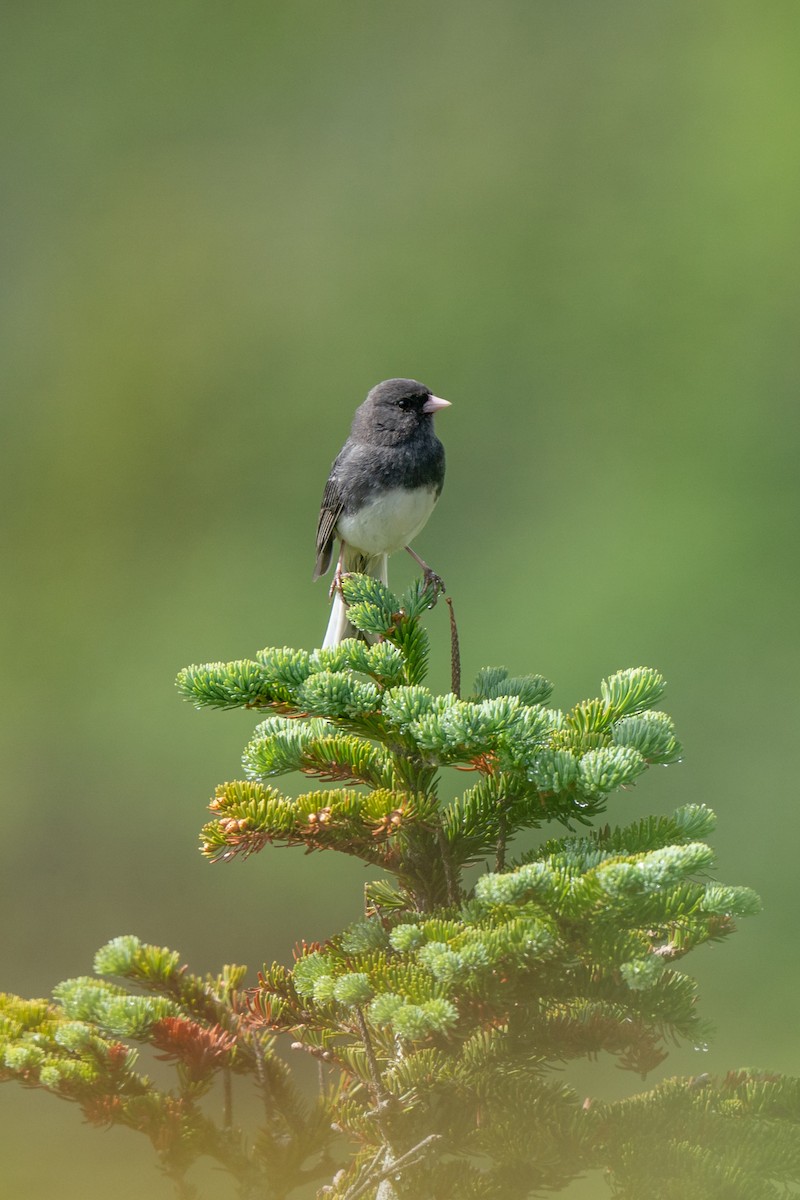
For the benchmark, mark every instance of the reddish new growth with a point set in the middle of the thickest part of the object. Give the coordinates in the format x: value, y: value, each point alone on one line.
x: 117, y: 1056
x: 302, y: 948
x: 200, y: 1049
x: 103, y: 1110
x: 164, y: 1125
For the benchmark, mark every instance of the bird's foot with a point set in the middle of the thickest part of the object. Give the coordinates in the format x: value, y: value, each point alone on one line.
x: 432, y: 581
x: 336, y: 583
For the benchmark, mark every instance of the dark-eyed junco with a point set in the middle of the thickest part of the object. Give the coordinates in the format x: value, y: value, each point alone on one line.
x: 381, y: 489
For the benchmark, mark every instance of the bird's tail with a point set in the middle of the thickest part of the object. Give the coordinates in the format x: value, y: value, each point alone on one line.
x: 352, y: 560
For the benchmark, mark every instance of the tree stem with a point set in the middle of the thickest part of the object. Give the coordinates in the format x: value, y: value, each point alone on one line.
x: 453, y: 893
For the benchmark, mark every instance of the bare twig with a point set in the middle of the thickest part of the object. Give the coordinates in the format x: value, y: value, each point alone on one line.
x: 455, y: 653
x: 377, y: 1175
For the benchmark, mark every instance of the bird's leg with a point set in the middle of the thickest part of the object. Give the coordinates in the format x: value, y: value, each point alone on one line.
x: 338, y: 574
x: 432, y: 580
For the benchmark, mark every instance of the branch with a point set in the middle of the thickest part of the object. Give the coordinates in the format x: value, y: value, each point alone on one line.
x: 409, y: 1159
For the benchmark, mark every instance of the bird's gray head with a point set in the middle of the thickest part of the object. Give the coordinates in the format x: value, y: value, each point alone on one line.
x: 395, y: 410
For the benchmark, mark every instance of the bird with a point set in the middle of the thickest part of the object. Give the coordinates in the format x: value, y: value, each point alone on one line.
x: 382, y: 488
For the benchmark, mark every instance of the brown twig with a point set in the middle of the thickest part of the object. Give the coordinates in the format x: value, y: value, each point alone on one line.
x: 455, y: 653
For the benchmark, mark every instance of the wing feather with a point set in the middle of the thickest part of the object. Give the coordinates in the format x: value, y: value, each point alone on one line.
x: 329, y: 513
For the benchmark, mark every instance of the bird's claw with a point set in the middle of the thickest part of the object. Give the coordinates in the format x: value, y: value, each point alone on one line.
x: 431, y: 581
x: 336, y: 583
x: 434, y: 583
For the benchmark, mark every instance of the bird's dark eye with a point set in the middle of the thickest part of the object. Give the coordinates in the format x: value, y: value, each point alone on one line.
x: 405, y: 403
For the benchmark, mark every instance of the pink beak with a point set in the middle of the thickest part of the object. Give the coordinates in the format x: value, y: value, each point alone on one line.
x: 434, y: 403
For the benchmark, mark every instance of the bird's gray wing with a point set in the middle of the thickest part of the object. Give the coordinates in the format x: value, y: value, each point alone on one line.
x: 329, y: 513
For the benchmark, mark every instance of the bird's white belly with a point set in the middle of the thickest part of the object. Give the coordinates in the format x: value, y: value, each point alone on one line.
x: 388, y: 522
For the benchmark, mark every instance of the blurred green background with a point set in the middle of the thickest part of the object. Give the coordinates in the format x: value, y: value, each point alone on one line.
x: 223, y: 223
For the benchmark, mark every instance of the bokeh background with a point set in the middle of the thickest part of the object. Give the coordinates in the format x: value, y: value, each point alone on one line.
x: 222, y: 224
